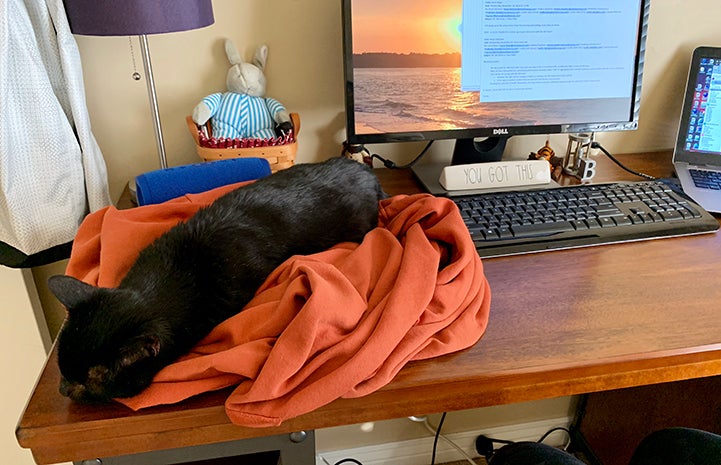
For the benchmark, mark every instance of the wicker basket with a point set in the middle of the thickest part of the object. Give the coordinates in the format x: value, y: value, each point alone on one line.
x: 279, y: 156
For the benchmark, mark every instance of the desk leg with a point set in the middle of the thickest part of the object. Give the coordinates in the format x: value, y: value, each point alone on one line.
x: 299, y: 449
x: 295, y: 449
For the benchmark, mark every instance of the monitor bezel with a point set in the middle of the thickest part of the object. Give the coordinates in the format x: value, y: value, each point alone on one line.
x: 469, y: 133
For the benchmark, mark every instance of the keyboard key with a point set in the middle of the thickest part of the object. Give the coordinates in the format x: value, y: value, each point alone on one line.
x: 671, y: 215
x: 626, y: 221
x: 606, y: 222
x: 542, y: 229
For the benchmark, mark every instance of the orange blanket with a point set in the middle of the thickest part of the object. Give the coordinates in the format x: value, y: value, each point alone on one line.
x: 340, y: 323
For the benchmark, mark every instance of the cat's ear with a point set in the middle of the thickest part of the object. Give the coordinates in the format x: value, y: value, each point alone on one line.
x: 70, y: 291
x: 140, y: 348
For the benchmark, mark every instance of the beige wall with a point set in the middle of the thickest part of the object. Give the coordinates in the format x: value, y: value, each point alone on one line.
x: 305, y: 73
x: 23, y: 344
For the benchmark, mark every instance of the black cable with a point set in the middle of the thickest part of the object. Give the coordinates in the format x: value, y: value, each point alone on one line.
x: 552, y: 430
x: 485, y: 447
x: 596, y: 145
x: 339, y: 462
x: 390, y: 164
x: 438, y: 434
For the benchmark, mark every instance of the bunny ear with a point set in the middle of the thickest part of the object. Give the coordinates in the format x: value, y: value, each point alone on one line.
x: 232, y: 53
x: 261, y: 57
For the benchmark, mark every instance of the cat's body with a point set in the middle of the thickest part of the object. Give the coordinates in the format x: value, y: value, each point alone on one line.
x: 203, y: 271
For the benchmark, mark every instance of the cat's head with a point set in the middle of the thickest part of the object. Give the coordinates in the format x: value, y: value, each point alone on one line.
x: 108, y: 347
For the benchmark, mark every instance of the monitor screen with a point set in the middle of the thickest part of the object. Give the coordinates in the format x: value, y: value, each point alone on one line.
x: 455, y: 69
x: 700, y: 129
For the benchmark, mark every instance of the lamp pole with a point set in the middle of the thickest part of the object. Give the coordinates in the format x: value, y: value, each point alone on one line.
x: 155, y: 113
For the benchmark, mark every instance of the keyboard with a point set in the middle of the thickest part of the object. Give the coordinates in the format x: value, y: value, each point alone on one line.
x: 514, y: 222
x: 705, y: 179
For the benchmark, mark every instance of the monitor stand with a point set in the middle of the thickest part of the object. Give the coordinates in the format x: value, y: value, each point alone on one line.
x: 466, y: 151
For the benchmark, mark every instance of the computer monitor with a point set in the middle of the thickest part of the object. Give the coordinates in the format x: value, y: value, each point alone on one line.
x: 467, y: 69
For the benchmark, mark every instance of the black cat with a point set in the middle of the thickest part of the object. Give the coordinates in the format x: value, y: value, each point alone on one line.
x: 203, y: 271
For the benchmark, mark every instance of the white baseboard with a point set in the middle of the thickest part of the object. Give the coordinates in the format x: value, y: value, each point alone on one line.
x: 418, y: 451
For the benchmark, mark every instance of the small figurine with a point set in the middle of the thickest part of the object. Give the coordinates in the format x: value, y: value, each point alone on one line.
x: 547, y: 153
x: 356, y: 152
x: 577, y: 162
x: 243, y: 112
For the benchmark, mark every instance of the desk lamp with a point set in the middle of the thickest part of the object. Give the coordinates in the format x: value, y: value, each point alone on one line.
x: 139, y: 17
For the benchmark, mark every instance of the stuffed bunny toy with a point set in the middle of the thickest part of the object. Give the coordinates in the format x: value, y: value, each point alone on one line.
x: 242, y: 112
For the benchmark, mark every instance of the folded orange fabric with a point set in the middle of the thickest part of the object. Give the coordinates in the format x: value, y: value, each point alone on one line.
x: 340, y: 323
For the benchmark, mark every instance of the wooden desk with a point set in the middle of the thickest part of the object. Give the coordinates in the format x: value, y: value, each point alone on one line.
x: 562, y: 323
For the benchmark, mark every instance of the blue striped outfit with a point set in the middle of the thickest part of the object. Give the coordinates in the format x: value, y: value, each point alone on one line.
x: 241, y: 116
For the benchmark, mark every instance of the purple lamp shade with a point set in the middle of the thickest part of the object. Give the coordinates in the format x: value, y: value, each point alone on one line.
x: 137, y: 17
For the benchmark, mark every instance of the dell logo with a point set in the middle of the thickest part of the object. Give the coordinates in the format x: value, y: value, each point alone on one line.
x: 498, y: 132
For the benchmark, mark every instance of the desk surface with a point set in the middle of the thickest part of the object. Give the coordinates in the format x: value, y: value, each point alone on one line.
x: 562, y: 323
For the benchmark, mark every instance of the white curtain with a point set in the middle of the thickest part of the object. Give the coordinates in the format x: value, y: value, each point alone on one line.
x: 52, y: 172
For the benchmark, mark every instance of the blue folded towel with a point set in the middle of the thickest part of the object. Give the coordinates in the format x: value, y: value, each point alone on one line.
x: 161, y: 185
